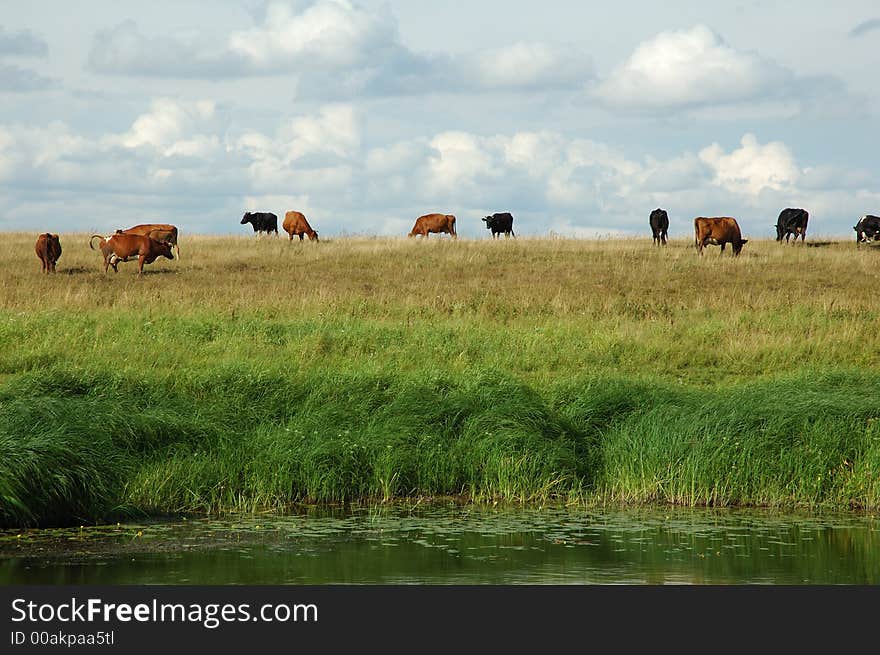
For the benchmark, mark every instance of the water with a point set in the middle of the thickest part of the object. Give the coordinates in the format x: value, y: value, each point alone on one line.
x: 453, y: 544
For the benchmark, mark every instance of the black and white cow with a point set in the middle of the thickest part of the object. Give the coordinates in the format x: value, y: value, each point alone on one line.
x: 261, y: 221
x: 500, y: 222
x: 792, y: 220
x: 867, y: 229
x: 659, y: 221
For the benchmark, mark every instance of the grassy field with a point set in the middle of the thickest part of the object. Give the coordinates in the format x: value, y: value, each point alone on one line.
x: 254, y: 373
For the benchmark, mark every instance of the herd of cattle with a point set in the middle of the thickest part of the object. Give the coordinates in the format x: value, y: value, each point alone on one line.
x: 149, y: 241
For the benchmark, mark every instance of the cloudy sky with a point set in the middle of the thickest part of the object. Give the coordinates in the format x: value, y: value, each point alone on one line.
x: 579, y: 118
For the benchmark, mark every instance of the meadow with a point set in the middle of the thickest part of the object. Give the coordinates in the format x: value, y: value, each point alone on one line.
x: 256, y: 373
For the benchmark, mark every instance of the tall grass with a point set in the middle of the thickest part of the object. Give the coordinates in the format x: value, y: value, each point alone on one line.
x: 256, y: 373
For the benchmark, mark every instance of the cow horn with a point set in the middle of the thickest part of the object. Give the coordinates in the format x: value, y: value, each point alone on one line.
x: 92, y: 238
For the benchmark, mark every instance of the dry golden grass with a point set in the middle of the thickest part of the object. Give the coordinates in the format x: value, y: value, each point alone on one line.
x: 503, y: 279
x: 535, y: 307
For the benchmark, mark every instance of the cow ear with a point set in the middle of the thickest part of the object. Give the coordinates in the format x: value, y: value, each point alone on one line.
x: 744, y: 241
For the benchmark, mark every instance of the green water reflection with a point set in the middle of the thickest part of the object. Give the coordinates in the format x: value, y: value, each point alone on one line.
x: 452, y: 544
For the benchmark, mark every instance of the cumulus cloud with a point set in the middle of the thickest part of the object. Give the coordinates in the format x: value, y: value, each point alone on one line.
x: 753, y: 166
x: 330, y: 34
x: 168, y: 128
x: 359, y: 47
x: 688, y: 69
x: 326, y: 35
x: 185, y: 155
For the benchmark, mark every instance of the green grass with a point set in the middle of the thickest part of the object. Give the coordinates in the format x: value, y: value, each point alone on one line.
x: 87, y: 447
x: 255, y: 374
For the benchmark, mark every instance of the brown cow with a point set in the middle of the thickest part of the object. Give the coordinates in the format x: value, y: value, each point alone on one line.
x: 48, y: 249
x: 436, y: 223
x: 157, y: 232
x: 718, y: 231
x: 295, y: 224
x: 122, y: 246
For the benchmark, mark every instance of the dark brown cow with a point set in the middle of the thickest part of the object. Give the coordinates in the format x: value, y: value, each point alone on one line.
x: 123, y: 247
x: 718, y: 231
x: 295, y: 224
x: 48, y: 249
x: 436, y: 223
x: 157, y: 232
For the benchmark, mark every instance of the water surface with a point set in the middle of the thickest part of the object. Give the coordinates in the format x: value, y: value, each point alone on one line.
x: 454, y: 544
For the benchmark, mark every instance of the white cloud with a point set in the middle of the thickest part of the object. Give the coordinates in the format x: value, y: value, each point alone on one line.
x: 752, y: 167
x: 182, y: 154
x: 167, y: 127
x: 301, y: 40
x: 359, y: 48
x: 690, y: 68
x: 329, y: 34
x: 312, y: 151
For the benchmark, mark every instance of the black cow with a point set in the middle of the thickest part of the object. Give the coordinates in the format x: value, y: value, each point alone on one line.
x: 867, y: 229
x: 261, y: 221
x: 500, y: 222
x: 792, y: 221
x: 659, y: 225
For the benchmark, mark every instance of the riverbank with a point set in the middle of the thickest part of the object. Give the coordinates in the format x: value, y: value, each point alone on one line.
x: 255, y: 373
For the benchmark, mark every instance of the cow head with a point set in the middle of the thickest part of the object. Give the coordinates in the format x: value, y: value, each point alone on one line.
x: 313, y: 236
x: 246, y: 218
x: 489, y: 221
x: 165, y: 249
x: 737, y: 247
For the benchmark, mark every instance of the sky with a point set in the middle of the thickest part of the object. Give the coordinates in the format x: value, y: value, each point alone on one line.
x: 579, y: 118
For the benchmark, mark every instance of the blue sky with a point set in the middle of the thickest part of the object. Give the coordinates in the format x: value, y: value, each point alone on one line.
x: 578, y: 118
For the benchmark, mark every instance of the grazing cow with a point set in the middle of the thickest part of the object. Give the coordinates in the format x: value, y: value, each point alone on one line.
x: 436, y: 223
x: 718, y: 231
x: 659, y: 222
x: 295, y: 224
x: 157, y: 232
x: 122, y: 247
x: 867, y: 229
x: 500, y: 222
x: 792, y: 221
x: 261, y: 221
x: 48, y: 249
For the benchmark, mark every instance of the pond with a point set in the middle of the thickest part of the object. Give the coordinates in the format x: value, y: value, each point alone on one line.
x: 457, y: 544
